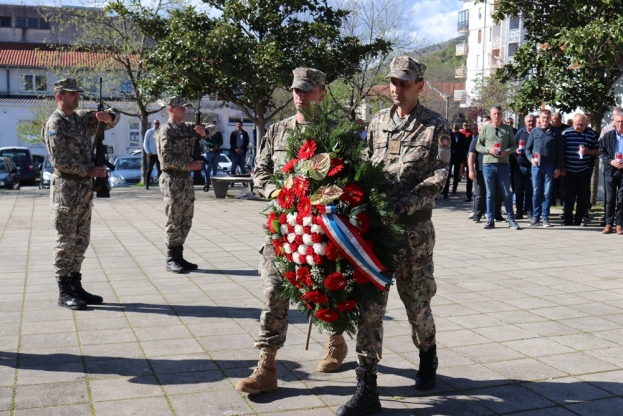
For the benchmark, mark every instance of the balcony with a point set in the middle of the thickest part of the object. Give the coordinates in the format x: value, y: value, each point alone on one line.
x: 461, y: 49
x: 496, y: 43
x: 460, y: 96
x: 514, y: 36
x: 463, y: 25
x: 460, y: 72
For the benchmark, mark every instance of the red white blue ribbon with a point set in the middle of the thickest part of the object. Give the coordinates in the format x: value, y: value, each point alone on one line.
x: 351, y: 246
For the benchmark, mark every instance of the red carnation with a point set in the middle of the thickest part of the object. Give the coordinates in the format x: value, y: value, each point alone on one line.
x: 363, y: 222
x: 346, y: 306
x: 299, y: 219
x: 314, y: 296
x: 291, y: 277
x: 303, y: 276
x: 290, y: 229
x: 283, y: 219
x: 352, y: 194
x: 316, y: 238
x: 331, y: 251
x: 278, y: 245
x: 360, y: 277
x: 304, y: 207
x: 287, y: 168
x: 327, y: 315
x: 269, y: 222
x: 289, y: 257
x: 335, y: 281
x: 307, y: 229
x: 298, y: 239
x: 316, y: 220
x: 300, y: 186
x: 307, y: 149
x: 285, y: 198
x: 319, y: 260
x: 336, y: 166
x: 310, y: 251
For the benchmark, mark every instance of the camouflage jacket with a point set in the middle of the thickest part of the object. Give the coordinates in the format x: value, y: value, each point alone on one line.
x: 175, y: 145
x: 416, y: 154
x: 69, y: 139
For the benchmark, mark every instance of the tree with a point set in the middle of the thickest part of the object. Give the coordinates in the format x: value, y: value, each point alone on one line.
x: 490, y: 91
x: 29, y: 131
x: 571, y: 58
x: 125, y: 46
x: 248, y: 51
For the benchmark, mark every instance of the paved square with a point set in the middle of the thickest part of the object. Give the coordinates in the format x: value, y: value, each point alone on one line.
x: 529, y: 322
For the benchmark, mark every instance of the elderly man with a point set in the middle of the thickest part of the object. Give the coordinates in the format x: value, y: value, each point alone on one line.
x: 496, y: 142
x: 545, y: 152
x: 611, y: 154
x: 579, y: 143
x: 523, y: 170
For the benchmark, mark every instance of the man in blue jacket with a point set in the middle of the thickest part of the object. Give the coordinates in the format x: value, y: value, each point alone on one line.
x: 545, y: 151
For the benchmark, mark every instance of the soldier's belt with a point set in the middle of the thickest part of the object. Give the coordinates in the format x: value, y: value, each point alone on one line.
x: 70, y: 176
x: 177, y: 173
x: 417, y: 217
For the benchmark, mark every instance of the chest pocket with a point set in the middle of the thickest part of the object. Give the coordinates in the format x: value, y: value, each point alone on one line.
x: 279, y: 155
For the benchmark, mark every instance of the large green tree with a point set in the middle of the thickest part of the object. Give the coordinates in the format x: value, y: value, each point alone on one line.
x: 571, y: 57
x: 245, y: 50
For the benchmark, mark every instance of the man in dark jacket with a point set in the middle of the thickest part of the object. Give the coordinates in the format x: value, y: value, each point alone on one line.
x: 523, y: 170
x: 611, y: 154
x: 458, y: 149
x: 545, y: 151
x: 238, y: 144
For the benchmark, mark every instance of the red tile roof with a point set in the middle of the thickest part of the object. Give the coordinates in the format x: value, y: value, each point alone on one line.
x: 43, y: 55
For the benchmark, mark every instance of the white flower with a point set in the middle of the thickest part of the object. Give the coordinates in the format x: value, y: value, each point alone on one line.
x: 292, y: 218
x: 307, y: 239
x: 287, y: 248
x: 319, y: 248
x: 317, y: 229
x: 291, y: 237
x: 302, y: 249
x: 298, y: 230
x: 307, y: 221
x: 310, y: 260
x: 284, y: 229
x: 297, y: 258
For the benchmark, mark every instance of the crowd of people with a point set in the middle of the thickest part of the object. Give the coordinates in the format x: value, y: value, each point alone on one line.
x: 530, y: 169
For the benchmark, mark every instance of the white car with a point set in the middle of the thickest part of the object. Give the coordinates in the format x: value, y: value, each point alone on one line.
x: 128, y: 172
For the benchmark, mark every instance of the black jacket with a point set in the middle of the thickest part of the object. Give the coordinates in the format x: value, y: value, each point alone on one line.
x: 233, y: 139
x: 607, y: 150
x: 459, y: 150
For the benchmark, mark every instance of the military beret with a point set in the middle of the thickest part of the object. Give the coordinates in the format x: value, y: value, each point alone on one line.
x: 67, y: 84
x: 307, y: 79
x: 406, y: 68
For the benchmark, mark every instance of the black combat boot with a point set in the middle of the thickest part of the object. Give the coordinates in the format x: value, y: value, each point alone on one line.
x: 426, y: 377
x: 66, y: 296
x: 185, y: 264
x: 86, y: 297
x: 365, y: 401
x: 173, y: 260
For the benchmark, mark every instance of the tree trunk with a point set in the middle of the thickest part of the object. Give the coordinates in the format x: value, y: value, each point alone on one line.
x: 596, y: 121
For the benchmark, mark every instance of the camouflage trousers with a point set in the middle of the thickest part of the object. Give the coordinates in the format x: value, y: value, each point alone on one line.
x: 71, y: 203
x: 179, y: 207
x: 416, y: 286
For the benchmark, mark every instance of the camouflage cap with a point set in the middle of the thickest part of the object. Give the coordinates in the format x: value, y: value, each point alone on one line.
x: 67, y: 84
x: 406, y: 68
x: 307, y: 79
x: 177, y: 101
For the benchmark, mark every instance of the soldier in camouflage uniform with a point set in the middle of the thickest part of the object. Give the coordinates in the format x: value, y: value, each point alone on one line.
x: 308, y: 86
x: 67, y: 136
x: 414, y: 144
x: 175, y: 141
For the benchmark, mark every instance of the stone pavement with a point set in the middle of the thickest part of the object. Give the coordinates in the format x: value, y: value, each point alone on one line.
x: 529, y: 322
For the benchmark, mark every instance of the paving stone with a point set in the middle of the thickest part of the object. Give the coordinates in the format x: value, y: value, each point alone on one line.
x: 606, y: 407
x: 75, y: 410
x: 152, y: 406
x: 211, y: 403
x: 577, y: 363
x: 51, y: 394
x: 509, y: 398
x: 567, y: 390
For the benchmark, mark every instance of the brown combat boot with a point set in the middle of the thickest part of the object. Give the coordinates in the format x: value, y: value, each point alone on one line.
x: 264, y: 377
x: 335, y: 353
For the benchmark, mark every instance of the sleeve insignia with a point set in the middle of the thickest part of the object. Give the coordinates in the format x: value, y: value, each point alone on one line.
x: 51, y: 132
x: 444, y: 141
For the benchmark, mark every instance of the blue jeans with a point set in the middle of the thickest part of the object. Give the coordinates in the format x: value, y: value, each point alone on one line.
x: 498, y: 174
x: 212, y: 165
x: 238, y: 160
x: 542, y: 180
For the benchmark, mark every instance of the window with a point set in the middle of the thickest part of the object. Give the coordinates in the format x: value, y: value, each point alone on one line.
x: 27, y: 23
x: 480, y: 36
x: 126, y: 87
x: 5, y: 22
x: 477, y: 60
x: 134, y: 134
x: 480, y: 13
x: 513, y: 23
x: 34, y: 83
x: 245, y: 121
x: 512, y: 48
x: 463, y: 24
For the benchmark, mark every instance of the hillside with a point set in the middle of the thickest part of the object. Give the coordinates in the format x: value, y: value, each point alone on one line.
x: 441, y: 60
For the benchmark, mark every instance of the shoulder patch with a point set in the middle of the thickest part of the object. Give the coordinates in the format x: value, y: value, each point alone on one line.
x: 444, y: 141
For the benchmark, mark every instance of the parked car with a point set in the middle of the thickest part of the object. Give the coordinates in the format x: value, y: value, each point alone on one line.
x: 9, y: 175
x: 37, y: 161
x: 22, y: 159
x: 46, y: 173
x: 128, y: 172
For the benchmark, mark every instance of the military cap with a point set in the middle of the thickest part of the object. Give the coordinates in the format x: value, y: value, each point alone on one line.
x: 176, y: 101
x: 406, y: 68
x: 307, y: 79
x: 67, y: 84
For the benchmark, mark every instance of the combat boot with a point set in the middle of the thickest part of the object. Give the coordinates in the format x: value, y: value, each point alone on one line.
x: 365, y: 401
x: 173, y: 261
x: 185, y: 264
x: 264, y: 377
x: 335, y: 353
x: 66, y: 296
x: 426, y: 377
x: 86, y: 297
